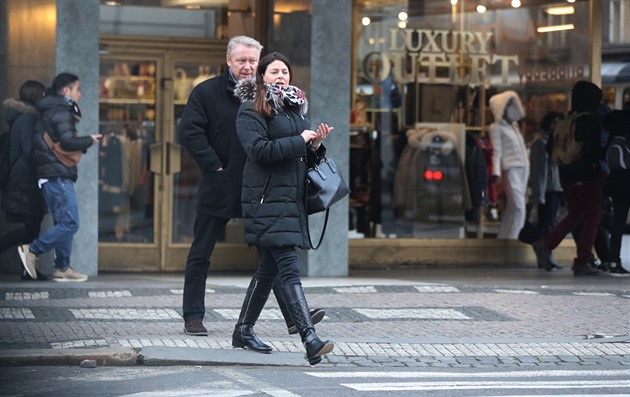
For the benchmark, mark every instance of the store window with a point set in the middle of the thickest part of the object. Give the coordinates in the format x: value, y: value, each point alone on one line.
x: 424, y: 72
x: 173, y: 18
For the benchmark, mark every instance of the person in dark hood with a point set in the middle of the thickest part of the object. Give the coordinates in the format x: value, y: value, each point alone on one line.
x: 274, y: 131
x: 60, y: 113
x: 22, y: 201
x: 581, y: 183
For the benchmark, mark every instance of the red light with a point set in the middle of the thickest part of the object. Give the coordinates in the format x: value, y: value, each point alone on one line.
x: 433, y: 175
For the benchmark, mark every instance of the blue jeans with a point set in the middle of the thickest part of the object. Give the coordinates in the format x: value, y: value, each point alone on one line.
x: 62, y: 204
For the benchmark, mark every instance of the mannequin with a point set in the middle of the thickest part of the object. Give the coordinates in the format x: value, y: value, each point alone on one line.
x: 510, y: 160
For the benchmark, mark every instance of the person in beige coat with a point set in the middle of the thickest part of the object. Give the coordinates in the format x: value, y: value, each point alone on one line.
x: 509, y: 160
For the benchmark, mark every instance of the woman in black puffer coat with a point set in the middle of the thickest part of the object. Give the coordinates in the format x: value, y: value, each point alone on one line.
x: 274, y: 131
x: 22, y: 201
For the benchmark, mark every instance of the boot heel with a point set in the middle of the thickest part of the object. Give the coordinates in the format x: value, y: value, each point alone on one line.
x: 238, y: 344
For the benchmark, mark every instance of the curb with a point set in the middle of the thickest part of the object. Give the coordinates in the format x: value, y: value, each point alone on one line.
x: 166, y: 356
x: 102, y: 357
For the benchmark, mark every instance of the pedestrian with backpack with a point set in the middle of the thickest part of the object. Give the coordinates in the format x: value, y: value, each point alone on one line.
x: 22, y: 201
x: 618, y: 182
x: 575, y: 145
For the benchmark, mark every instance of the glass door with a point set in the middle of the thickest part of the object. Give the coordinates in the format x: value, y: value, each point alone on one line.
x: 129, y: 123
x: 147, y: 182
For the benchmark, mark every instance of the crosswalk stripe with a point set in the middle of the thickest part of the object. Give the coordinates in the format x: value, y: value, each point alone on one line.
x: 451, y: 385
x: 452, y: 375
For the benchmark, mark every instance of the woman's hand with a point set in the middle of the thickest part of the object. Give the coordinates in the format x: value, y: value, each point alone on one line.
x: 308, y: 135
x: 322, y: 132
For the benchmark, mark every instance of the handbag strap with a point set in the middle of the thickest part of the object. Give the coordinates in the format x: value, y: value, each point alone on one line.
x: 321, y: 238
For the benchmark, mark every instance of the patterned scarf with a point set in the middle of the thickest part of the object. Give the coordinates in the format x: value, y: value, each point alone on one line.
x: 291, y: 95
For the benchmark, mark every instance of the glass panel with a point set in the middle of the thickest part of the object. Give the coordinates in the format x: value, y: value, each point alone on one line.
x: 185, y: 183
x: 127, y: 122
x: 424, y: 71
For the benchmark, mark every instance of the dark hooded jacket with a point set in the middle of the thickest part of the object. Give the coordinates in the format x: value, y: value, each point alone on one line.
x: 207, y: 130
x: 585, y: 98
x: 58, y: 119
x: 275, y: 171
x: 22, y: 199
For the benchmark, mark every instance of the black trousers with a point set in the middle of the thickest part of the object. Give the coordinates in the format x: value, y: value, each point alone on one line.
x: 618, y: 185
x: 278, y: 262
x: 207, y: 231
x: 22, y: 235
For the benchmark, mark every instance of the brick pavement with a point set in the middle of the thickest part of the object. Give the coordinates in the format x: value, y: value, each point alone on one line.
x: 528, y: 320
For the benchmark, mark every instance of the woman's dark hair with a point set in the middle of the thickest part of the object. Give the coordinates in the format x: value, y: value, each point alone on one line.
x: 260, y: 104
x: 545, y: 123
x: 63, y: 80
x: 31, y: 91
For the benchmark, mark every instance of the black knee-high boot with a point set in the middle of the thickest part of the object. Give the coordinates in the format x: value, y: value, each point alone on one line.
x: 255, y: 299
x: 316, y: 314
x: 298, y: 309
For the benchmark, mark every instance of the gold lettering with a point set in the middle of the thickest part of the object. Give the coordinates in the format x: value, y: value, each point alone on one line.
x: 504, y: 61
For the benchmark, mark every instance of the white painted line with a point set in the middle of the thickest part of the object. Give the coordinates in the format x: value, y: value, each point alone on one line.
x: 516, y: 291
x: 437, y: 288
x: 356, y: 290
x: 109, y: 294
x: 267, y: 314
x: 125, y: 314
x: 442, y: 314
x: 24, y: 296
x: 593, y: 294
x: 255, y: 383
x: 16, y: 313
x: 459, y: 385
x: 192, y: 393
x: 181, y: 291
x: 454, y: 375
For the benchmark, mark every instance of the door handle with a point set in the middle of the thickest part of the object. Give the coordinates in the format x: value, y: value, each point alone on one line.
x: 174, y: 158
x: 155, y: 158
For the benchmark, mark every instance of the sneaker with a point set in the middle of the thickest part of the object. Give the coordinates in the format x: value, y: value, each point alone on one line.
x: 616, y: 270
x: 195, y: 327
x: 68, y: 275
x: 28, y: 260
x: 584, y: 269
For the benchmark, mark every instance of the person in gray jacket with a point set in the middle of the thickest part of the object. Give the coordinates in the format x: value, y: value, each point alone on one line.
x: 273, y: 129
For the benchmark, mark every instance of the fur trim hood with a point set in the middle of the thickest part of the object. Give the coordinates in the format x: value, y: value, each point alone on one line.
x: 245, y: 90
x: 499, y: 102
x: 16, y: 107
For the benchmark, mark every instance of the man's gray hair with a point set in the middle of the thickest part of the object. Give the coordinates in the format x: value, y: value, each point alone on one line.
x: 243, y: 40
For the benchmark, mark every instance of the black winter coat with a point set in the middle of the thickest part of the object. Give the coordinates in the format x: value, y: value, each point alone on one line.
x: 22, y: 200
x: 207, y: 130
x: 274, y: 176
x: 57, y: 119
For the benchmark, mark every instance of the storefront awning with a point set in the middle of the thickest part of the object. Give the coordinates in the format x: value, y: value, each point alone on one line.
x: 615, y: 73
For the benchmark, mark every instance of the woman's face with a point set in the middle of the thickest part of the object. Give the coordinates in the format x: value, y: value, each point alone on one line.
x: 277, y: 72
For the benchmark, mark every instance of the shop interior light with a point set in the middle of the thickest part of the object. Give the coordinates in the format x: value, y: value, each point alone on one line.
x: 570, y: 1
x: 402, y: 24
x: 454, y: 2
x: 112, y: 3
x: 555, y: 28
x: 403, y: 16
x: 560, y: 10
x: 481, y: 8
x: 516, y: 3
x: 365, y: 21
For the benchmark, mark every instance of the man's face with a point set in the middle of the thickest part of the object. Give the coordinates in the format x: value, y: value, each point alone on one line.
x: 243, y: 61
x: 73, y: 92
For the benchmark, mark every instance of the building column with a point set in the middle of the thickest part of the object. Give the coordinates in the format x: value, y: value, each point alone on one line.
x: 331, y: 54
x: 77, y: 53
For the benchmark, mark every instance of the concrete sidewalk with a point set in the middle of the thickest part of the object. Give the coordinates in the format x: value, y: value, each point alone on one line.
x: 407, y: 318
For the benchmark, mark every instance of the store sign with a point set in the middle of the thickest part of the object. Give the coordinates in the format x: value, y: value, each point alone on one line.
x: 420, y: 55
x: 551, y: 74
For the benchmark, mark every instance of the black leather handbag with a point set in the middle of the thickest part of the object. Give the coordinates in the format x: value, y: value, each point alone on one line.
x: 324, y: 187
